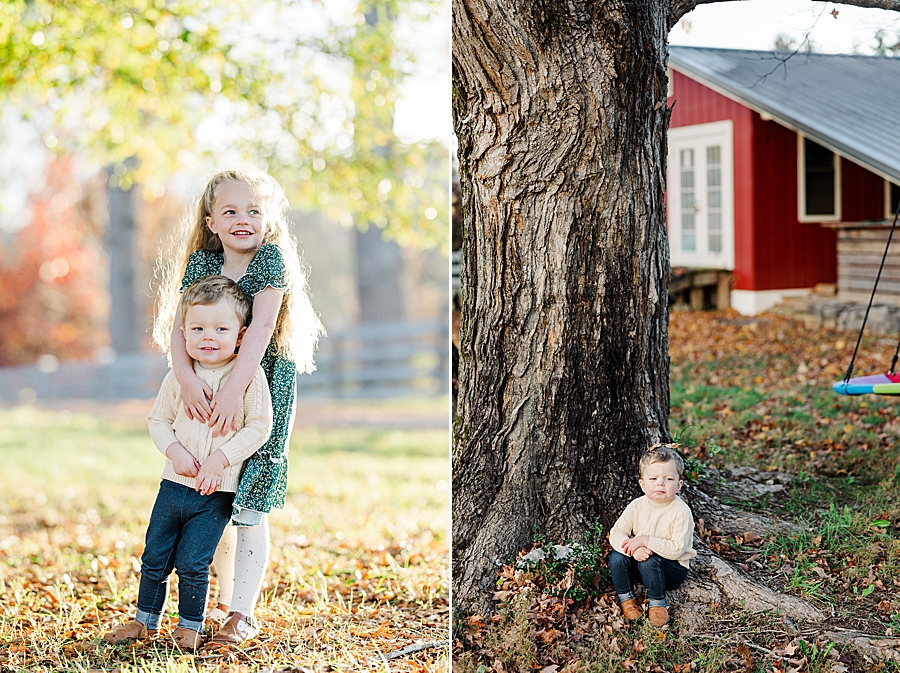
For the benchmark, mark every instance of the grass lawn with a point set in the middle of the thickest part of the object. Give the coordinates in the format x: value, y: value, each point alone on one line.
x: 748, y: 393
x: 359, y: 564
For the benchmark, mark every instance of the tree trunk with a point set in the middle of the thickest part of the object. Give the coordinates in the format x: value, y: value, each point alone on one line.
x: 379, y: 264
x: 125, y: 322
x: 560, y: 110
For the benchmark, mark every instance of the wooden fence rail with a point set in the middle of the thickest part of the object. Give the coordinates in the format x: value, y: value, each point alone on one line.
x: 377, y: 361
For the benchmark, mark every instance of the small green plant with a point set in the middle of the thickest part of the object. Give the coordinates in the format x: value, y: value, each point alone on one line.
x: 802, y: 583
x: 682, y: 437
x: 894, y: 624
x: 813, y: 654
x: 575, y: 570
x: 693, y: 470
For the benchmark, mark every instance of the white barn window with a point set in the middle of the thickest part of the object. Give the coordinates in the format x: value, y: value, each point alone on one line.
x: 819, y: 182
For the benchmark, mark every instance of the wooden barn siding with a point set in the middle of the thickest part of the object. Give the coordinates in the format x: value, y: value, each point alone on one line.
x: 861, y: 251
x: 862, y: 193
x: 789, y: 253
x: 698, y: 104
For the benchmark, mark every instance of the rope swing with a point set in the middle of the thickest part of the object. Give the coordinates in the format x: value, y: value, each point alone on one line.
x: 877, y: 384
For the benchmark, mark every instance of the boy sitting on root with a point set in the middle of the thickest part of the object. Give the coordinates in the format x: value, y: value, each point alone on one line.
x: 652, y: 539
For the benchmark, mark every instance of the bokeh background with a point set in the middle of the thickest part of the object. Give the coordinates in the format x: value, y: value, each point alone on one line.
x: 113, y: 116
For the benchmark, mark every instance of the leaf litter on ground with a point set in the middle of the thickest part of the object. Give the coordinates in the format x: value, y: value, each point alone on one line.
x: 358, y: 568
x: 744, y: 393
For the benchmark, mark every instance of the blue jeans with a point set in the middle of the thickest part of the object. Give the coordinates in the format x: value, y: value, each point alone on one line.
x: 184, y: 530
x: 658, y: 574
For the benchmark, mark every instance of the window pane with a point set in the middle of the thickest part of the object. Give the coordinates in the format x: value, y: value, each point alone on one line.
x: 894, y: 199
x: 714, y: 199
x: 688, y: 228
x: 820, y: 177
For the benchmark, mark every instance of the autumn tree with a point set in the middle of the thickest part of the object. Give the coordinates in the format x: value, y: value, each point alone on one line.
x: 148, y: 87
x: 561, y: 115
x: 53, y: 300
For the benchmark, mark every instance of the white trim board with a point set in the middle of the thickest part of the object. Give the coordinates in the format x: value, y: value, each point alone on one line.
x: 751, y: 302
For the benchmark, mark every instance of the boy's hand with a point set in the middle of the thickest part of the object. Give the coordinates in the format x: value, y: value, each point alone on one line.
x: 183, y: 461
x: 634, y: 543
x: 641, y: 554
x: 226, y: 409
x: 195, y: 395
x: 209, y: 478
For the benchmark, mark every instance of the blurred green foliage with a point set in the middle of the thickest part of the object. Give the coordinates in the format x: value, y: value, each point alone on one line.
x: 150, y: 87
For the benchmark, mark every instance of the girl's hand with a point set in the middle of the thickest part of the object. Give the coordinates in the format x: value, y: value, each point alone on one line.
x: 196, y: 396
x: 641, y: 554
x: 183, y: 461
x: 227, y: 406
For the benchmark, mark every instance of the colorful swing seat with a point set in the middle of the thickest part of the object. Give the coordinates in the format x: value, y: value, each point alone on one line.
x: 877, y: 384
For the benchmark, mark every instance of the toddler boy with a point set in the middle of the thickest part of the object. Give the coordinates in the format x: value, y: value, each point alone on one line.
x: 652, y: 540
x: 202, y: 471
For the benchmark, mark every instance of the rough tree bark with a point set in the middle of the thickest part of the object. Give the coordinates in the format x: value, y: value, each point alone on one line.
x: 560, y: 112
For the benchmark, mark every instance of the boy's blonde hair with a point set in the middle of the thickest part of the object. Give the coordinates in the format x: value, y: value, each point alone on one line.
x: 211, y: 290
x: 661, y: 454
x: 298, y: 328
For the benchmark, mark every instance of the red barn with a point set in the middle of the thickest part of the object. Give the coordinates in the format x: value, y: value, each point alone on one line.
x: 770, y: 157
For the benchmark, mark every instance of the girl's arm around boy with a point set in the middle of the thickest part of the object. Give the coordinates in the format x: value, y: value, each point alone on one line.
x: 256, y: 417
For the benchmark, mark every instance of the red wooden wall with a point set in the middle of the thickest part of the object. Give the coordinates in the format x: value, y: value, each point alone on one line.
x: 772, y: 249
x: 790, y: 254
x: 697, y: 104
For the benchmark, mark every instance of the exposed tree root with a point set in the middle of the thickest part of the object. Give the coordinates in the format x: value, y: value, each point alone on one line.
x: 879, y: 649
x: 712, y: 580
x: 737, y: 484
x: 730, y: 520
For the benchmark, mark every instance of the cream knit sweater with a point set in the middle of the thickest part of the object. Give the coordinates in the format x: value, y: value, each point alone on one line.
x: 169, y: 423
x: 670, y: 528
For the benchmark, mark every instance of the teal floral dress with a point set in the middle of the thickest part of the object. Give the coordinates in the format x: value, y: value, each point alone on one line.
x: 264, y: 482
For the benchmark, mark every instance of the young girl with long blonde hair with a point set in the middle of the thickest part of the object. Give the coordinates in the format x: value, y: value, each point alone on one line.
x: 240, y: 230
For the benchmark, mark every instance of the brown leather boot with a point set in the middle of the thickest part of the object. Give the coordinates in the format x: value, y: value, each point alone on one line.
x: 659, y: 616
x: 631, y: 610
x: 187, y: 639
x: 129, y: 632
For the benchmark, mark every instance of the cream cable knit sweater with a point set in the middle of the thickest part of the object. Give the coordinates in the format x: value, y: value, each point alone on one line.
x: 670, y: 528
x: 169, y: 423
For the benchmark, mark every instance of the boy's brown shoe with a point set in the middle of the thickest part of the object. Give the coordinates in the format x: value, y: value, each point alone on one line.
x: 128, y: 632
x: 631, y: 610
x: 187, y: 639
x: 659, y: 616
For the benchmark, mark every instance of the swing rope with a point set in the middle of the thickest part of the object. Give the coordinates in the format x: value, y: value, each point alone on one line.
x: 871, y: 299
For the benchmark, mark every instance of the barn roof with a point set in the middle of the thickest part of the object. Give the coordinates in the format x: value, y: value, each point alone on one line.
x: 850, y: 104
